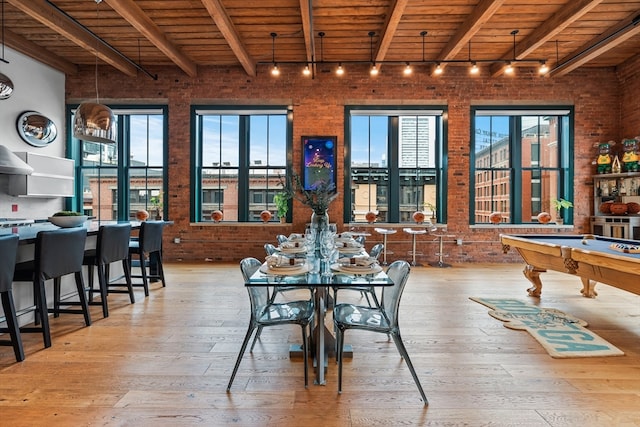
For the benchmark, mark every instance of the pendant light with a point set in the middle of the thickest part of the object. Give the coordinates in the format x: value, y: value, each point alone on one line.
x: 6, y: 85
x: 93, y: 121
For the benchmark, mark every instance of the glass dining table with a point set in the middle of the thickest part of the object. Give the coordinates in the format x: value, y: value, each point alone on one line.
x: 320, y: 275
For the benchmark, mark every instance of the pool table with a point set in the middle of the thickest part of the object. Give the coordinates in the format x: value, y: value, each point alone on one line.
x: 587, y: 256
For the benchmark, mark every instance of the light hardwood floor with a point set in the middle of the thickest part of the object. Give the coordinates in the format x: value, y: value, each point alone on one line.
x: 166, y: 361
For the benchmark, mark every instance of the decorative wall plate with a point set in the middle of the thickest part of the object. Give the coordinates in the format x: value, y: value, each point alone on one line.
x: 36, y: 129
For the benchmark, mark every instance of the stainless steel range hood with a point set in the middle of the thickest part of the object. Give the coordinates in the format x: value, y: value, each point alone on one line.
x: 12, y: 164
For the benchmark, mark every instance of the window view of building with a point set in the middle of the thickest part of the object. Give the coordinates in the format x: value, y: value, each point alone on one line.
x: 395, y: 164
x: 240, y: 157
x: 134, y: 166
x: 520, y: 163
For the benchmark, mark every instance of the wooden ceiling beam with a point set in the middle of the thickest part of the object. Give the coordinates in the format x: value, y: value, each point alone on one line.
x: 611, y: 38
x: 141, y: 22
x: 474, y: 22
x: 389, y: 29
x: 226, y: 27
x: 545, y: 32
x: 53, y: 18
x: 28, y: 48
x: 306, y: 14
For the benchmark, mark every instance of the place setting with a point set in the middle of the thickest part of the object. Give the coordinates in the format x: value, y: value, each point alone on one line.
x: 357, y: 265
x: 281, y: 265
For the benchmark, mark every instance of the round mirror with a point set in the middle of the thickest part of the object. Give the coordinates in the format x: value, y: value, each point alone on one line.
x: 36, y: 129
x: 6, y: 86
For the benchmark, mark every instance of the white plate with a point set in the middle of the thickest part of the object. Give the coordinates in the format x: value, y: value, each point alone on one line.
x: 297, y: 250
x: 349, y: 250
x: 286, y: 271
x: 357, y: 269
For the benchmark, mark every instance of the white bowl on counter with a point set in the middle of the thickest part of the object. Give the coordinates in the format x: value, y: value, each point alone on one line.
x: 68, y: 221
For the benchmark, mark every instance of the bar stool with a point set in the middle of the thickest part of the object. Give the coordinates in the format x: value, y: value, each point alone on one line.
x: 8, y: 251
x: 385, y: 232
x: 112, y: 246
x: 414, y: 233
x: 148, y: 243
x: 57, y: 253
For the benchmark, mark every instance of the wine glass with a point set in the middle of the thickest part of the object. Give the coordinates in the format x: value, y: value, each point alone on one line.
x: 327, y: 247
x: 310, y: 239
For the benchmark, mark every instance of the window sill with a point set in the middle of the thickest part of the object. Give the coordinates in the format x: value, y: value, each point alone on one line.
x: 537, y: 226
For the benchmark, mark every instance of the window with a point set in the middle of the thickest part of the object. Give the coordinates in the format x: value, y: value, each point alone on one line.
x: 394, y: 164
x: 239, y: 154
x: 534, y: 166
x: 136, y: 166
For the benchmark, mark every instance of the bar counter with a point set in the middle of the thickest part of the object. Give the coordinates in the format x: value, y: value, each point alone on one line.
x: 27, y: 233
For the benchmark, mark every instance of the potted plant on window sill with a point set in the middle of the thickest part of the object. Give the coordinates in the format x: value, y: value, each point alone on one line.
x: 281, y: 201
x: 558, y: 205
x: 156, y: 202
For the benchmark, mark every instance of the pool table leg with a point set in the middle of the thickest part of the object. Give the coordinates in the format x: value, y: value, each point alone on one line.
x: 533, y: 275
x: 588, y: 288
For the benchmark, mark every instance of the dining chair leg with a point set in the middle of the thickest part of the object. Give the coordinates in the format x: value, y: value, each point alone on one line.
x: 83, y: 297
x: 12, y: 324
x: 305, y: 357
x: 247, y: 337
x: 102, y: 282
x: 56, y: 297
x: 253, y: 344
x: 126, y: 267
x: 340, y: 340
x: 42, y: 313
x: 403, y: 352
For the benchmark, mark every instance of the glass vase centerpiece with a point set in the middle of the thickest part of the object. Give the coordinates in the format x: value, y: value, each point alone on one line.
x: 318, y: 198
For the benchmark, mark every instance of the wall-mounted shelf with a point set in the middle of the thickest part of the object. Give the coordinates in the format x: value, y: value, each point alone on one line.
x: 51, y: 177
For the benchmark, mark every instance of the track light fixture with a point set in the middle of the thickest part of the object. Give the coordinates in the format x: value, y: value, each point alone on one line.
x: 408, y: 65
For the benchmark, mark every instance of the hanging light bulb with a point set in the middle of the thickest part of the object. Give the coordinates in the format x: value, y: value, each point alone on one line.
x: 509, y: 69
x: 438, y: 69
x: 339, y: 70
x: 474, y: 68
x: 544, y: 69
x: 306, y: 71
x: 274, y: 70
x: 407, y: 70
x: 93, y: 121
x: 374, y: 70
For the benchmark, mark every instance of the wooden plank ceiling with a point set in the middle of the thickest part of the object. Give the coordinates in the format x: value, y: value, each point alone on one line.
x: 567, y: 34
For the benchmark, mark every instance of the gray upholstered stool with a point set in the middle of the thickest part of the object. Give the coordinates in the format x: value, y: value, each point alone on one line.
x: 8, y: 251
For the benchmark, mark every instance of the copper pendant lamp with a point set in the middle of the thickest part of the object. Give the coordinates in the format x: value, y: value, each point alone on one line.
x: 93, y: 121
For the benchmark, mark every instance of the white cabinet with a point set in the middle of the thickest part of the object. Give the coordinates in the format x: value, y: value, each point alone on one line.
x: 51, y: 177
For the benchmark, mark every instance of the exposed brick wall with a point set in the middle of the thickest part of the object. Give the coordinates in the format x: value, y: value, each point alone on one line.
x: 318, y: 109
x: 629, y: 77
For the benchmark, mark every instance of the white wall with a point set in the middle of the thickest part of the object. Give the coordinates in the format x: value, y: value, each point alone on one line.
x: 37, y: 87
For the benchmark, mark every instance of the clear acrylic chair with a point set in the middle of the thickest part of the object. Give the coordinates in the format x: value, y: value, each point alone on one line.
x: 383, y: 320
x: 264, y: 314
x: 369, y: 292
